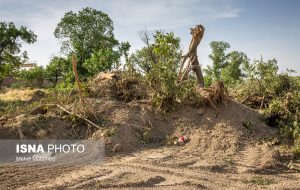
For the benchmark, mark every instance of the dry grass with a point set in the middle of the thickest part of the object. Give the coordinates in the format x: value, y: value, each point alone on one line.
x: 23, y: 94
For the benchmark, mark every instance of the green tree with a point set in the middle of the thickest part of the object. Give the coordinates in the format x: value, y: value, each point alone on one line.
x: 55, y: 68
x: 160, y: 48
x: 270, y: 81
x: 142, y: 59
x: 106, y: 58
x: 124, y: 50
x: 158, y: 61
x: 102, y: 60
x: 219, y: 59
x: 86, y: 34
x: 232, y: 72
x: 265, y: 69
x: 5, y: 70
x: 262, y: 79
x: 11, y: 39
x: 276, y: 94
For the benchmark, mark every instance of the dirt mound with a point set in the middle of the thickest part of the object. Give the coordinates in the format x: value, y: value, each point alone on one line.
x: 226, y: 133
x: 135, y: 125
x: 118, y: 86
x: 40, y: 126
x: 227, y: 141
x: 215, y: 136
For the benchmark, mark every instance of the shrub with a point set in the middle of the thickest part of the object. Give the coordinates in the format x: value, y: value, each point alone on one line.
x: 157, y: 64
x: 284, y: 113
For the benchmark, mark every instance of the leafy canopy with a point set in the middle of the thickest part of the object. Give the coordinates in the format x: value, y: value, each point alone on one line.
x: 219, y: 59
x: 161, y: 48
x: 225, y: 66
x: 89, y: 36
x: 232, y: 72
x: 11, y: 39
x: 85, y: 31
x: 55, y: 69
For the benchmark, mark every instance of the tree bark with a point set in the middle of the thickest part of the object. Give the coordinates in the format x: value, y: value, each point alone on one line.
x: 197, y: 35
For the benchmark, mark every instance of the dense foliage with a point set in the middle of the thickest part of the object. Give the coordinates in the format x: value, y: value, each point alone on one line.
x: 55, y: 69
x: 88, y: 35
x: 11, y: 39
x: 158, y: 63
x: 225, y: 66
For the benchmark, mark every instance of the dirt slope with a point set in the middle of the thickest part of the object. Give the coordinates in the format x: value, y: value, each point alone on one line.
x: 227, y: 150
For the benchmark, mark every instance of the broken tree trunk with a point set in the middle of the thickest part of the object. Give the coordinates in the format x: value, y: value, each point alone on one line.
x: 197, y: 35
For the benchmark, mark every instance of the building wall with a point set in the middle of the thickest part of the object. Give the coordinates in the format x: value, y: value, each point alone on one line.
x: 8, y: 81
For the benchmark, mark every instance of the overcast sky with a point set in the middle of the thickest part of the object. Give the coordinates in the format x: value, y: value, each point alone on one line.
x: 270, y: 28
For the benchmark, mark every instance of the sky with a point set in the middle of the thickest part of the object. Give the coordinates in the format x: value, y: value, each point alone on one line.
x: 268, y: 28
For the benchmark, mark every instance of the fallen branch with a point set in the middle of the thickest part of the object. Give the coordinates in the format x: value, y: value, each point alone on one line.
x: 77, y: 115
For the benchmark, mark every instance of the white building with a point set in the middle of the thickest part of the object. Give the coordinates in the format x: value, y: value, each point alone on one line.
x: 28, y: 65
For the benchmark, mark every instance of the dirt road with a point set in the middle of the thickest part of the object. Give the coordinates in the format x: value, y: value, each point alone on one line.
x: 164, y: 168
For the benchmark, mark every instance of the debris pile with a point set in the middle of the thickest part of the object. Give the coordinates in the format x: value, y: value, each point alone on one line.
x: 118, y: 86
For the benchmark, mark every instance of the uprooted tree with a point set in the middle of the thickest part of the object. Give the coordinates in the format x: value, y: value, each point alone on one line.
x: 192, y: 58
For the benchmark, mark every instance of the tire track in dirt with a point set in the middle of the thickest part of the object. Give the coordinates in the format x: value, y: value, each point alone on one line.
x: 253, y: 158
x: 148, y: 169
